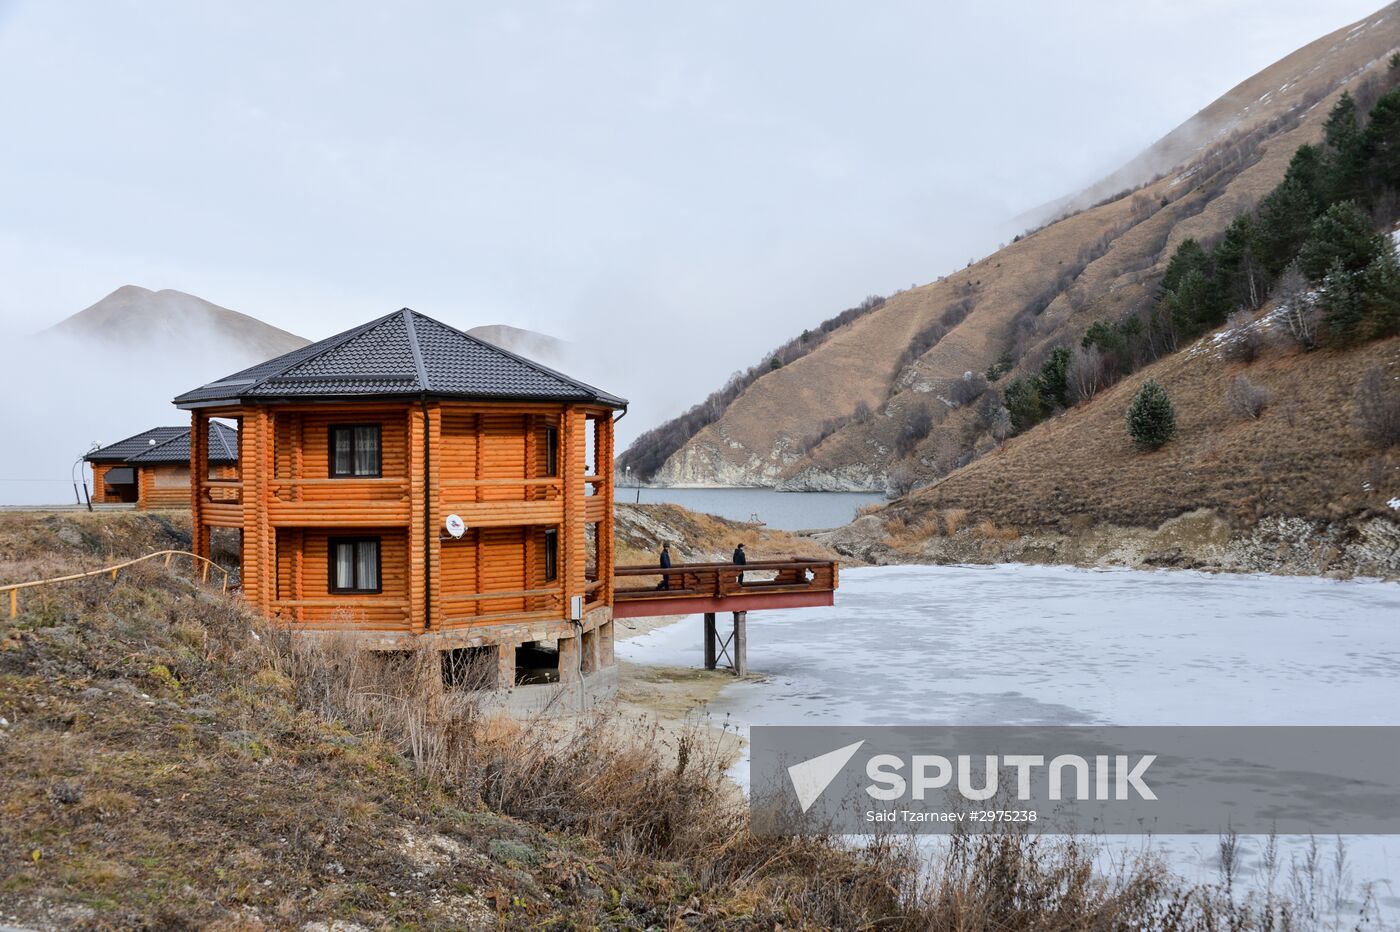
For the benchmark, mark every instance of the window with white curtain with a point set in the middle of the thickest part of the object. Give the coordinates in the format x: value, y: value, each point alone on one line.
x: 354, y: 563
x: 355, y: 451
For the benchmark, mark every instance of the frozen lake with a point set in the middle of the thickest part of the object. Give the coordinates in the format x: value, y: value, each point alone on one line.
x: 787, y: 511
x: 1028, y: 645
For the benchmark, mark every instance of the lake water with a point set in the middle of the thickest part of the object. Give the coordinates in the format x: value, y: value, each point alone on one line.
x: 787, y: 511
x: 1028, y: 645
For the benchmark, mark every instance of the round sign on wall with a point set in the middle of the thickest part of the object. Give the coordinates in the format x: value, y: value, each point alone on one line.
x: 456, y: 526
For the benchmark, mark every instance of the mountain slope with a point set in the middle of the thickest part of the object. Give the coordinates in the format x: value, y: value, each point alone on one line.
x: 1297, y: 489
x: 804, y: 425
x: 133, y: 316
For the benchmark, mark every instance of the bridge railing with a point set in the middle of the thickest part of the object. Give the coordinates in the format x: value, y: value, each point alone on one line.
x: 716, y: 580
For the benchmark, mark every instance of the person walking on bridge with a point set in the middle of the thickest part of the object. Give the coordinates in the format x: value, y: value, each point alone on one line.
x: 665, y: 565
x: 740, y: 558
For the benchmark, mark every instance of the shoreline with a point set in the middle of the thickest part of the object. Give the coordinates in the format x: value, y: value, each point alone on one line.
x: 675, y: 700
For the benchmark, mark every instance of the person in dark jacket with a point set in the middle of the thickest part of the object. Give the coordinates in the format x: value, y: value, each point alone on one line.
x: 665, y: 565
x: 740, y: 558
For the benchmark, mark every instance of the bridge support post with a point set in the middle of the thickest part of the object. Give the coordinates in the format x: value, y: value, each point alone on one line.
x: 741, y: 643
x: 710, y: 637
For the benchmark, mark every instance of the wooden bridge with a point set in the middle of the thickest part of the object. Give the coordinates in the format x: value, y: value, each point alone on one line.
x: 708, y: 588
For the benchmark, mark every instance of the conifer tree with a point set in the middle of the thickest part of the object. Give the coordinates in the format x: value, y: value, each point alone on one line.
x: 1344, y: 234
x: 1151, y: 417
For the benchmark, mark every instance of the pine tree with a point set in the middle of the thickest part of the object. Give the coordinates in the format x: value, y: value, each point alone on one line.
x: 1285, y: 215
x: 1192, y: 305
x: 1189, y: 257
x: 1380, y: 286
x: 1343, y: 234
x: 1307, y: 170
x: 1054, y: 378
x: 1342, y: 306
x: 1238, y: 280
x: 1151, y: 417
x: 1382, y: 142
x: 1024, y: 404
x: 1345, y: 155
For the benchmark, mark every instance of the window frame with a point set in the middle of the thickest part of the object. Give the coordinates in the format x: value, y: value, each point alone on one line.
x: 551, y: 452
x: 332, y: 543
x: 330, y: 451
x: 551, y: 554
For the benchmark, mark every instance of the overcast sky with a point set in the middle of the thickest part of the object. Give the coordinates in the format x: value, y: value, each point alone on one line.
x: 676, y: 187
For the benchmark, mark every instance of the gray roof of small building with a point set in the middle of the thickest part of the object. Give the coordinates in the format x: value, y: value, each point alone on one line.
x: 223, y: 447
x: 168, y: 445
x: 403, y: 354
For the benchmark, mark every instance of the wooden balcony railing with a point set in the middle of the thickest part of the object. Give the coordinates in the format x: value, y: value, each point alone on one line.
x: 387, y: 489
x: 222, y: 491
x: 715, y: 580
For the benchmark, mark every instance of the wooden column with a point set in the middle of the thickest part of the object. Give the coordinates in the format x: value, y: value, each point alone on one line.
x: 259, y: 552
x: 199, y: 474
x: 418, y: 614
x: 604, y: 469
x: 436, y: 516
x: 573, y: 548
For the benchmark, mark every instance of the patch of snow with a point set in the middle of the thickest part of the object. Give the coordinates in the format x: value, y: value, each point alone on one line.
x: 1394, y: 503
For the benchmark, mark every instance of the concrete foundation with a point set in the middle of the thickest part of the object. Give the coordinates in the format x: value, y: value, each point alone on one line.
x: 553, y: 699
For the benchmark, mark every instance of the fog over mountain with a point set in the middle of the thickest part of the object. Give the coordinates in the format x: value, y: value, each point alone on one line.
x: 110, y: 370
x: 678, y: 187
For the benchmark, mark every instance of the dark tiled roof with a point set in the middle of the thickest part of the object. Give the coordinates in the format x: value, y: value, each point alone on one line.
x: 119, y: 451
x: 404, y: 354
x: 223, y: 447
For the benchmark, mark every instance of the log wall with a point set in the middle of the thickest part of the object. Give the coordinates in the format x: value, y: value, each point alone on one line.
x: 488, y: 463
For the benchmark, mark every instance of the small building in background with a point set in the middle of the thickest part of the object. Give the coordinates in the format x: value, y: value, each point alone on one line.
x: 152, y: 468
x: 411, y: 485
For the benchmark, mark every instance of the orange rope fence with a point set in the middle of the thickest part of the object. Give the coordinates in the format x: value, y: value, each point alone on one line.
x: 203, y: 562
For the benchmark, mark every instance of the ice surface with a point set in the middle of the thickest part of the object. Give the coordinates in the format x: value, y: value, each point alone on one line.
x: 1026, y: 645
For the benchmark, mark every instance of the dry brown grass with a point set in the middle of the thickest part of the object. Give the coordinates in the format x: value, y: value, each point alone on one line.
x: 1304, y: 455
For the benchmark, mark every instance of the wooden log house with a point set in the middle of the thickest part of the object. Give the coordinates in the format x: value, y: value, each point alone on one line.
x: 152, y: 468
x: 413, y: 485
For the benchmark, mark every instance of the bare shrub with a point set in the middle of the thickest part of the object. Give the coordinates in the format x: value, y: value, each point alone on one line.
x: 915, y: 428
x: 1378, y: 407
x: 1244, y: 341
x: 1297, y: 308
x: 948, y: 450
x: 900, y: 481
x: 1087, y: 372
x: 1245, y: 399
x: 1001, y: 424
x: 967, y: 389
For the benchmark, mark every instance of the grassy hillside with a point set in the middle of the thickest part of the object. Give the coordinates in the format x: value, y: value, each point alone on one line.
x: 170, y: 761
x: 885, y: 392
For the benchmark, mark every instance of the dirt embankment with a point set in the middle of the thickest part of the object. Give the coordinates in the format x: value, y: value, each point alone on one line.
x: 1200, y: 539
